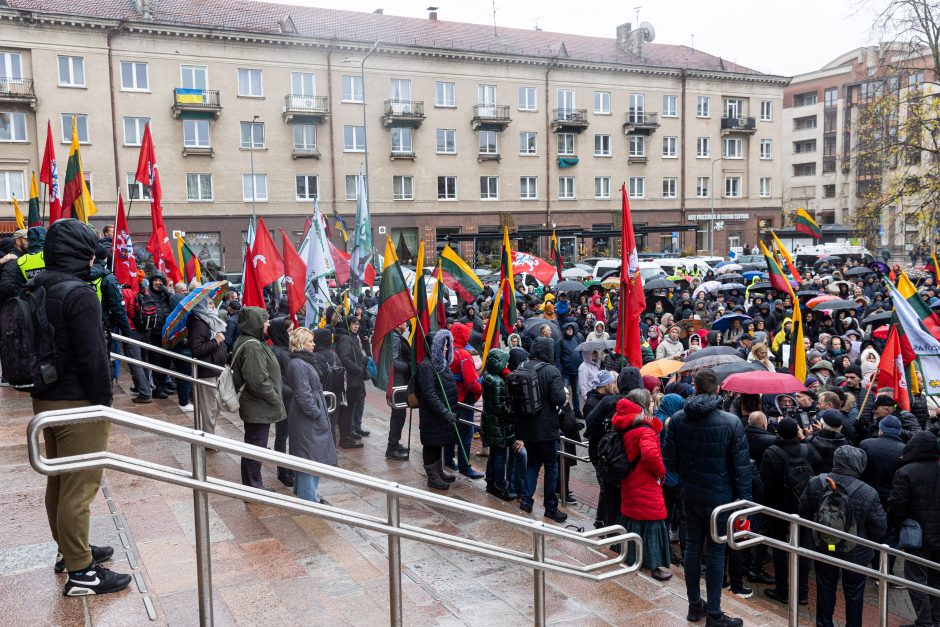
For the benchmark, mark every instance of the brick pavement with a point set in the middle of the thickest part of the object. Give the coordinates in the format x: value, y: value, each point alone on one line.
x: 274, y: 567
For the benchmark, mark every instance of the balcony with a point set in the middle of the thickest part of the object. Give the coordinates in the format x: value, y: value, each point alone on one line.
x: 640, y: 123
x: 404, y: 154
x: 196, y: 102
x: 569, y: 120
x: 305, y: 108
x: 487, y: 156
x: 403, y: 113
x: 18, y: 91
x: 738, y: 125
x: 490, y: 117
x: 198, y: 151
x: 305, y: 152
x: 636, y: 159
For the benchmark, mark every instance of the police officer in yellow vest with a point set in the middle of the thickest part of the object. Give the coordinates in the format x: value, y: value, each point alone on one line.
x: 28, y: 266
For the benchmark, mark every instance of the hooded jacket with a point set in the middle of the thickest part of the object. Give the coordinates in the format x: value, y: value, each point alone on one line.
x: 916, y: 486
x: 280, y: 346
x: 781, y: 337
x: 205, y: 347
x: 325, y: 359
x: 545, y: 427
x: 465, y: 372
x: 773, y: 470
x: 884, y: 459
x: 826, y: 442
x: 161, y: 299
x: 349, y: 350
x: 310, y: 434
x: 75, y: 314
x: 257, y: 369
x: 496, y: 420
x: 567, y: 357
x: 848, y: 464
x: 641, y: 495
x: 707, y: 448
x: 598, y: 421
x: 669, y: 348
x: 437, y: 393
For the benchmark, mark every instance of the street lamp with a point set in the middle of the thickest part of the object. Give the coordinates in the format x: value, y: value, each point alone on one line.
x: 251, y: 156
x: 711, y: 213
x: 365, y: 124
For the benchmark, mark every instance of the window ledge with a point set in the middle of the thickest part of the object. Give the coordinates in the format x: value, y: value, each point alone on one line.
x: 193, y: 151
x: 262, y: 97
x: 243, y: 149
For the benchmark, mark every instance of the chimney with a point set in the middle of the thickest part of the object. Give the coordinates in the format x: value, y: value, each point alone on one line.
x: 630, y: 40
x: 144, y: 8
x: 379, y: 11
x: 433, y: 14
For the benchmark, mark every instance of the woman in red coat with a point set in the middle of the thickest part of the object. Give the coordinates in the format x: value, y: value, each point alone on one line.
x: 642, y: 505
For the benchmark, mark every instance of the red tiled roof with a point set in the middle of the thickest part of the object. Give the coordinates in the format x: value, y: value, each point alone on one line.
x: 263, y: 18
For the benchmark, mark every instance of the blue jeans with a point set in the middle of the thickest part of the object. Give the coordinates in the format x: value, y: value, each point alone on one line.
x: 543, y: 454
x: 853, y: 587
x: 697, y: 521
x: 496, y: 467
x: 516, y: 464
x: 184, y: 388
x: 305, y: 486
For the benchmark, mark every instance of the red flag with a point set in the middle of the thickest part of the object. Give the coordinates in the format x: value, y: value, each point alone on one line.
x: 265, y: 260
x: 891, y: 370
x: 528, y: 263
x: 122, y: 249
x: 295, y: 276
x: 159, y: 243
x: 632, y: 300
x: 341, y: 263
x: 49, y: 174
x: 253, y: 295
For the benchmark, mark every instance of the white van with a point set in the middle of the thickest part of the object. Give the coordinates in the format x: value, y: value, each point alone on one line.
x: 671, y: 264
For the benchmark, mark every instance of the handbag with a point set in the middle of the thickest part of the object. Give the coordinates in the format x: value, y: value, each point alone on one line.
x: 910, y: 534
x: 411, y: 394
x: 228, y: 393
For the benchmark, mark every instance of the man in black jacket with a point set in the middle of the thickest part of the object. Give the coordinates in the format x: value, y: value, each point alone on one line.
x: 84, y: 378
x: 828, y: 437
x: 158, y: 292
x: 401, y: 373
x: 707, y: 448
x: 759, y: 439
x: 349, y: 350
x: 540, y: 433
x: 915, y: 495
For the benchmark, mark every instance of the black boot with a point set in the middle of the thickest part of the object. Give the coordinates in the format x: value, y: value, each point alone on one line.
x: 434, y: 479
x: 439, y: 464
x: 393, y: 451
x: 286, y: 476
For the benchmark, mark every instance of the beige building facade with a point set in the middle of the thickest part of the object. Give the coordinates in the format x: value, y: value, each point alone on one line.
x: 465, y: 130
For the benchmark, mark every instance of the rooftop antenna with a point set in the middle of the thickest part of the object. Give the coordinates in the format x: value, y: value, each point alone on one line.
x: 495, y: 34
x: 637, y: 11
x: 693, y: 41
x: 537, y: 26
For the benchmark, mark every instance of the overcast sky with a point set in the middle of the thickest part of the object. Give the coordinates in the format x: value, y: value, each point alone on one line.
x: 777, y: 37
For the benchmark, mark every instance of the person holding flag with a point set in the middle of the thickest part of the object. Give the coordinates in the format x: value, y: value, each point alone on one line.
x: 632, y: 299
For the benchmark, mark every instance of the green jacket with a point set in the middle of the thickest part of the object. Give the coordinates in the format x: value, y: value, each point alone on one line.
x: 257, y: 369
x: 495, y: 421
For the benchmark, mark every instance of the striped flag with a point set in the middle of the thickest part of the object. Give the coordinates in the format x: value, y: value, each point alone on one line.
x: 458, y: 276
x: 189, y: 261
x: 419, y: 330
x: 76, y: 199
x: 891, y: 370
x: 787, y: 258
x: 806, y: 225
x: 775, y: 275
x: 394, y: 308
x: 556, y: 257
x: 507, y: 284
x: 33, y: 218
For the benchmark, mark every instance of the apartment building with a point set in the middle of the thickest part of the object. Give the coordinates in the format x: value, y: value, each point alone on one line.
x: 462, y: 128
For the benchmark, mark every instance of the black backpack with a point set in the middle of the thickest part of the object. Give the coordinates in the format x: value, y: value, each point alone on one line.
x: 145, y: 318
x: 612, y: 463
x: 835, y: 510
x: 796, y: 475
x: 525, y: 393
x: 332, y: 378
x: 28, y: 354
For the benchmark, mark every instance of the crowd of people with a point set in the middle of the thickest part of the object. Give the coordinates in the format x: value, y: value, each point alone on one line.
x: 691, y: 445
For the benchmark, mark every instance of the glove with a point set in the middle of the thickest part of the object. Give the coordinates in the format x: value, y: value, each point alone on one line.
x: 451, y: 417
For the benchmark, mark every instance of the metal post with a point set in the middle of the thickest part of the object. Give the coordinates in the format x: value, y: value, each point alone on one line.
x: 794, y: 560
x: 203, y: 548
x: 562, y: 482
x: 711, y: 211
x: 538, y: 577
x: 394, y: 563
x: 883, y: 589
x: 197, y: 415
x: 365, y: 121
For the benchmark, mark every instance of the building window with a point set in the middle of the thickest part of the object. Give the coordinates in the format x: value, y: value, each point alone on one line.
x: 401, y: 140
x: 303, y: 84
x: 702, y: 187
x: 804, y: 123
x: 354, y: 139
x: 527, y: 100
x: 637, y: 145
x: 527, y: 143
x: 352, y: 89
x: 134, y: 76
x: 766, y: 149
x: 670, y: 147
x: 445, y: 94
x: 602, y: 145
x: 566, y: 188
x: 703, y: 147
x: 71, y: 71
x: 528, y: 187
x: 260, y: 187
x: 134, y: 130
x: 308, y: 186
x: 566, y: 101
x: 802, y: 100
x: 732, y: 148
x: 352, y: 187
x: 305, y: 136
x: 830, y: 96
x: 601, y: 187
x: 11, y: 184
x: 195, y: 133
x: 703, y: 107
x: 637, y: 110
x: 765, y: 187
x: 488, y: 142
x: 489, y: 188
x: 403, y: 188
x: 734, y: 107
x: 766, y: 111
x: 11, y: 65
x: 804, y: 169
x: 12, y: 126
x: 198, y: 187
x: 135, y: 189
x: 252, y: 135
x: 194, y: 77
x: 81, y: 124
x: 829, y: 191
x: 670, y: 106
x: 670, y: 187
x: 447, y: 188
x: 565, y: 144
x: 446, y: 141
x: 602, y: 102
x: 805, y: 146
x: 732, y: 187
x: 637, y: 187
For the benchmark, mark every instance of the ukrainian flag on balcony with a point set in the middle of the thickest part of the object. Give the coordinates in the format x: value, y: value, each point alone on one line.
x: 190, y: 96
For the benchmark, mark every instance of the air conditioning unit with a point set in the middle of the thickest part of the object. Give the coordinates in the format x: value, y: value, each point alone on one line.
x: 742, y: 121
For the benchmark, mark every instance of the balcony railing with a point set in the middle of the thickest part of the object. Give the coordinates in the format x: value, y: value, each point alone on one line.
x: 490, y: 116
x: 403, y: 112
x: 738, y: 125
x: 305, y: 152
x: 203, y: 100
x: 569, y: 118
x: 18, y: 90
x: 402, y: 153
x: 640, y: 123
x: 300, y: 106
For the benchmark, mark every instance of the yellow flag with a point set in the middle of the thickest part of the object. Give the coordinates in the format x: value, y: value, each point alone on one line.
x: 491, y: 325
x: 20, y: 220
x: 419, y: 272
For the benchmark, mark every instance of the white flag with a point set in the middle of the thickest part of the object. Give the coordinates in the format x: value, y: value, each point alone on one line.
x: 926, y: 346
x: 319, y: 266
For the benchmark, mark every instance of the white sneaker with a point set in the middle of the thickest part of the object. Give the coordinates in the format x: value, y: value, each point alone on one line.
x: 187, y: 408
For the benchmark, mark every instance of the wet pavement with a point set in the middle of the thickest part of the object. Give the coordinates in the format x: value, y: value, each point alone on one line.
x: 274, y: 567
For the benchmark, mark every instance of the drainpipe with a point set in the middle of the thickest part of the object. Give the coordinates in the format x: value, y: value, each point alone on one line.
x: 548, y: 157
x: 114, y: 125
x: 329, y: 100
x: 682, y: 152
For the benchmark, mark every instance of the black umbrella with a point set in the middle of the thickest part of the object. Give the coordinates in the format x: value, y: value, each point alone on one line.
x: 532, y: 326
x: 570, y: 286
x: 659, y: 284
x: 883, y: 316
x: 763, y: 285
x: 808, y: 293
x: 835, y: 305
x: 735, y: 367
x: 712, y: 351
x: 828, y: 259
x: 731, y: 276
x: 667, y: 304
x: 858, y: 271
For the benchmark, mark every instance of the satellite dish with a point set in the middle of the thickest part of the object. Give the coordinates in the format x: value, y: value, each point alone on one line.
x: 650, y: 32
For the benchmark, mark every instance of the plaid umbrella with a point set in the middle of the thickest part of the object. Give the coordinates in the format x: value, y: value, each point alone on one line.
x: 174, y: 329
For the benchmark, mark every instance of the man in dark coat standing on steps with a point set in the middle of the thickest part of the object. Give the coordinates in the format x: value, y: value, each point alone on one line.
x: 401, y: 373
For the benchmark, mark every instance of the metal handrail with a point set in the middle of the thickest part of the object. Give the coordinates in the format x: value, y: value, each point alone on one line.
x: 737, y: 540
x: 165, y: 352
x: 392, y: 526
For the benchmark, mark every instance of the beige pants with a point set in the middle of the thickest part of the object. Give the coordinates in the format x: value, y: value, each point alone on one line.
x: 207, y: 399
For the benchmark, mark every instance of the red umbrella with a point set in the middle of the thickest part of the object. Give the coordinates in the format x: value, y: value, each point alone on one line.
x: 812, y: 302
x: 881, y: 333
x: 765, y: 382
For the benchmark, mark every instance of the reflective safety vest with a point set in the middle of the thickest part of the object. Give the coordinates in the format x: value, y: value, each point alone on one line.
x: 32, y: 265
x: 97, y: 284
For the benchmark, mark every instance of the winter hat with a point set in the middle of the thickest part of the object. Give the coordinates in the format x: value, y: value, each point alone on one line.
x: 822, y: 364
x: 629, y: 409
x: 890, y: 425
x: 650, y: 383
x: 832, y: 417
x: 810, y: 381
x: 812, y: 355
x: 853, y: 369
x: 603, y: 377
x: 787, y: 428
x: 884, y: 401
x: 682, y: 389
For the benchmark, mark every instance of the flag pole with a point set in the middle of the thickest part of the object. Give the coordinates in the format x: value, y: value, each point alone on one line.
x: 114, y: 232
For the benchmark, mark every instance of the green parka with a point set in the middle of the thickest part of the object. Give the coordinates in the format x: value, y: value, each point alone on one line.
x: 257, y: 369
x: 496, y: 424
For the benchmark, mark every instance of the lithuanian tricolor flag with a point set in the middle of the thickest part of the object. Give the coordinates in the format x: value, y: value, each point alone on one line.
x: 460, y: 277
x: 437, y: 303
x: 775, y: 275
x: 806, y: 225
x: 419, y: 329
x: 928, y: 317
x: 76, y: 199
x: 507, y: 284
x: 787, y: 258
x: 189, y: 262
x: 34, y: 218
x: 394, y: 308
x: 556, y: 257
x: 491, y: 326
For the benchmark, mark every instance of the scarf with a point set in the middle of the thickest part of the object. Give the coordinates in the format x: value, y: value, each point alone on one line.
x: 211, y: 318
x: 305, y: 356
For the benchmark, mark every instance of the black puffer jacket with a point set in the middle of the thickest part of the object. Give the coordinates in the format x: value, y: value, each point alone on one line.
x: 437, y: 393
x: 915, y: 492
x: 597, y: 421
x: 350, y: 354
x: 773, y: 470
x: 826, y: 442
x: 280, y: 344
x: 402, y: 358
x: 162, y: 300
x: 545, y: 427
x: 884, y: 459
x: 75, y: 314
x: 758, y: 441
x: 707, y: 448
